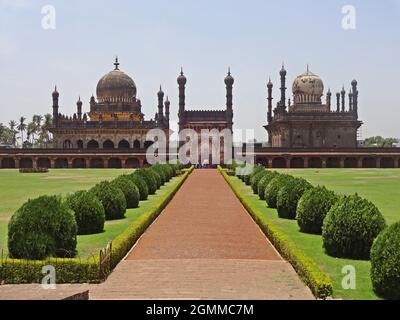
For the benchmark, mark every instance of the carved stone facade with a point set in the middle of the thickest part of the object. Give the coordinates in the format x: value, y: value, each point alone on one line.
x: 309, y: 123
x: 220, y: 121
x: 115, y: 120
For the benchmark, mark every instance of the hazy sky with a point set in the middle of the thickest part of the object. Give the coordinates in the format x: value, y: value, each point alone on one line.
x: 155, y: 38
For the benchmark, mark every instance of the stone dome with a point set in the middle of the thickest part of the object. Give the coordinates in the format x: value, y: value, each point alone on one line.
x: 116, y: 86
x: 308, y: 88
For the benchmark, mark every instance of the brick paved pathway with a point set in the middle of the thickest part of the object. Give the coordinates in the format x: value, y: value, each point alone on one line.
x: 204, y: 245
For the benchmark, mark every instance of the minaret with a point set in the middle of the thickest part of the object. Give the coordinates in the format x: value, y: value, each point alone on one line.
x: 229, y: 81
x: 343, y: 94
x: 329, y: 98
x: 181, y: 114
x: 283, y: 87
x: 269, y: 86
x: 79, y: 108
x: 355, y: 97
x: 160, y: 104
x: 350, y: 101
x: 167, y: 113
x: 338, y: 102
x: 55, y: 106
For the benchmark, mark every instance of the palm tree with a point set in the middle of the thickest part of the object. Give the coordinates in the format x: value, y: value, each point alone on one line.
x: 12, y: 124
x: 22, y: 127
x: 47, y: 123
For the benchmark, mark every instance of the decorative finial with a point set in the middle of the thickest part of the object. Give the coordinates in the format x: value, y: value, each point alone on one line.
x: 116, y: 64
x: 181, y: 71
x: 229, y: 71
x: 308, y: 68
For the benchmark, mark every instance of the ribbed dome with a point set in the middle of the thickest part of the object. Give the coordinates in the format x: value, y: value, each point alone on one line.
x: 308, y: 88
x: 116, y: 86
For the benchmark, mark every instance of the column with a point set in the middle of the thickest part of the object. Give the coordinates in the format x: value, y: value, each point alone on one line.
x: 287, y: 163
x: 341, y: 162
x: 378, y: 162
x: 87, y: 163
x: 269, y: 163
x: 34, y: 162
x: 16, y: 163
x: 323, y: 163
x: 52, y: 163
x: 69, y: 163
x: 106, y: 162
x: 306, y: 162
x: 123, y: 163
x: 360, y: 163
x: 141, y: 163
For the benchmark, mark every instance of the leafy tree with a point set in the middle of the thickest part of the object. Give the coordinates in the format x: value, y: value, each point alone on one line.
x: 22, y: 128
x: 380, y: 142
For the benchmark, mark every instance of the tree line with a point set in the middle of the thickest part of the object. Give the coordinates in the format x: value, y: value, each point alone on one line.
x: 24, y: 134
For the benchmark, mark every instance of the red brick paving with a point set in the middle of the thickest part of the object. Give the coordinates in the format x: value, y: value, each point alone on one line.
x: 204, y: 245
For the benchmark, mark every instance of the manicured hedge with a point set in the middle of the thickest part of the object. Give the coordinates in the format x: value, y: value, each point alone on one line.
x: 156, y: 176
x: 319, y: 283
x: 289, y: 195
x: 272, y: 189
x: 385, y: 263
x: 112, y: 199
x: 313, y: 207
x: 141, y: 184
x: 42, y: 227
x: 350, y: 227
x: 161, y: 173
x: 148, y: 178
x: 129, y: 189
x: 256, y: 179
x: 87, y: 270
x: 254, y: 171
x: 264, y: 181
x: 88, y: 210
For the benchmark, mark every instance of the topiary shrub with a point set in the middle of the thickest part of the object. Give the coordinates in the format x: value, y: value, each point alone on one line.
x: 41, y: 228
x: 162, y: 173
x: 289, y: 195
x: 88, y: 210
x: 155, y: 175
x: 264, y: 181
x: 313, y: 207
x: 148, y: 178
x: 141, y: 184
x: 272, y: 189
x: 253, y: 172
x: 112, y: 199
x: 385, y: 263
x: 256, y: 179
x: 129, y: 189
x: 350, y: 228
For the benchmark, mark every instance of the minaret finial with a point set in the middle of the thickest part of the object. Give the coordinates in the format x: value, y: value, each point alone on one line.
x: 308, y: 68
x: 116, y: 64
x: 229, y: 71
x: 181, y: 71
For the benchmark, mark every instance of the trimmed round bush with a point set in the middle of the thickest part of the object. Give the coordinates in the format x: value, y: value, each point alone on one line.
x: 264, y: 181
x: 148, y: 178
x: 88, y: 210
x: 272, y: 189
x: 256, y: 179
x: 141, y: 184
x: 289, y: 195
x: 313, y: 207
x: 112, y: 199
x: 254, y: 171
x: 350, y: 228
x: 155, y: 175
x: 385, y: 263
x: 42, y: 227
x: 161, y: 172
x: 129, y: 189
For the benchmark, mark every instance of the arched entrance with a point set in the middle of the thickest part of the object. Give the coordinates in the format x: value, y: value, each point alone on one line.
x: 279, y: 163
x: 67, y: 144
x: 108, y: 144
x: 136, y: 144
x: 44, y: 163
x: 315, y: 163
x: 97, y: 163
x: 387, y: 163
x: 297, y: 163
x: 350, y: 163
x: 262, y: 162
x: 93, y: 144
x: 115, y: 163
x: 333, y: 163
x: 369, y: 162
x: 79, y: 144
x: 132, y: 163
x: 8, y: 163
x: 79, y: 163
x: 26, y: 163
x: 123, y: 144
x: 61, y: 163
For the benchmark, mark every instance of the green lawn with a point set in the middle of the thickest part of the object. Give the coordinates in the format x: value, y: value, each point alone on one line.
x: 381, y: 186
x: 16, y: 188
